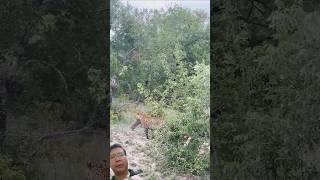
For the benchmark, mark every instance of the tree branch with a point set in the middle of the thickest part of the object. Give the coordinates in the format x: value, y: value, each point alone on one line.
x: 92, y: 121
x: 60, y: 74
x: 251, y: 9
x: 254, y: 23
x: 254, y: 5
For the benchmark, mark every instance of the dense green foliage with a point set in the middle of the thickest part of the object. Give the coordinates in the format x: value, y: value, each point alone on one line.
x: 52, y: 74
x: 161, y: 58
x: 8, y: 171
x: 266, y: 82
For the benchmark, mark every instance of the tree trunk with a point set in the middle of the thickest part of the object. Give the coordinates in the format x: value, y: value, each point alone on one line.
x: 3, y: 112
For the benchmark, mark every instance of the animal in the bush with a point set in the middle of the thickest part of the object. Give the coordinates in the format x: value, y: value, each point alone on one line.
x: 147, y: 122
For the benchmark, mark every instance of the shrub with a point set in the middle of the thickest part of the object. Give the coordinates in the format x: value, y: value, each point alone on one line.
x: 8, y: 171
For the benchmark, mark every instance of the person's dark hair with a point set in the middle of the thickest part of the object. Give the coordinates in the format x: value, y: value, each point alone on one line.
x: 118, y: 146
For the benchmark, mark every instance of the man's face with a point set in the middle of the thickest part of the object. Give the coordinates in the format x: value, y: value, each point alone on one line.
x: 118, y: 161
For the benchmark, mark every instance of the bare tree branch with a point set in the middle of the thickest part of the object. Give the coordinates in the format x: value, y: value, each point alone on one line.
x: 254, y: 5
x: 251, y: 9
x: 86, y: 129
x: 60, y: 74
x: 253, y: 22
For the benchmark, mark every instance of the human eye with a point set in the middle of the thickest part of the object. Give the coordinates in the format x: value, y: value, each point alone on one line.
x: 121, y: 154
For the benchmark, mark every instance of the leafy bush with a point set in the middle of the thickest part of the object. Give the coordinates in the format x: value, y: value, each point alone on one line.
x: 8, y: 171
x: 114, y: 117
x: 269, y: 91
x: 185, y: 134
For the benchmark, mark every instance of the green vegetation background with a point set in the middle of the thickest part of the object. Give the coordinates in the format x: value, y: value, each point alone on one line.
x: 265, y: 83
x: 161, y: 58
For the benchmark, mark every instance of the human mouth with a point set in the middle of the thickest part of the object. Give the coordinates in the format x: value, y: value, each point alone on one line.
x: 120, y: 166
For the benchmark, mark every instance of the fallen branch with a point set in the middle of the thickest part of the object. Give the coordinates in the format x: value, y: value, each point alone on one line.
x: 62, y: 133
x: 85, y: 129
x: 57, y: 135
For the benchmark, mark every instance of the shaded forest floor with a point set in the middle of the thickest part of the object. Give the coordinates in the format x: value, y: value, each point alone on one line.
x: 62, y: 158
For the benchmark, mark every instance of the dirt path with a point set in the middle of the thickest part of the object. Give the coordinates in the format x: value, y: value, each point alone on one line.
x: 135, y: 144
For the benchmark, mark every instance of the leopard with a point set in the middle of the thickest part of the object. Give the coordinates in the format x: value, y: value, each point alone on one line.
x: 147, y: 122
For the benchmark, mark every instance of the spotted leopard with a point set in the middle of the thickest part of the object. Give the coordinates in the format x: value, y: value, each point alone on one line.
x: 147, y: 122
